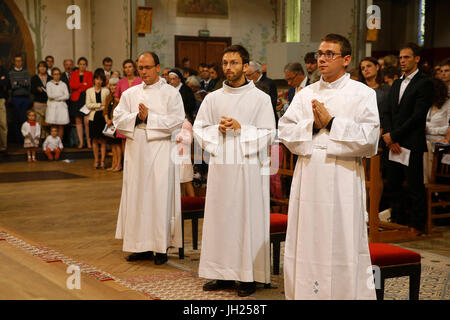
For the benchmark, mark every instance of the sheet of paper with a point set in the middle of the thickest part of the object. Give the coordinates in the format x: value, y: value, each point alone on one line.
x: 85, y: 110
x: 402, y: 158
x: 446, y: 159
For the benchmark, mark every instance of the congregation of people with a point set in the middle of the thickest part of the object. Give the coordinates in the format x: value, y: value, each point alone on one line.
x: 408, y: 108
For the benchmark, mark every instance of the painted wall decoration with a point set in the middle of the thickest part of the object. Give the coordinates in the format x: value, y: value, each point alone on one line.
x: 37, y: 25
x: 202, y: 8
x: 11, y: 40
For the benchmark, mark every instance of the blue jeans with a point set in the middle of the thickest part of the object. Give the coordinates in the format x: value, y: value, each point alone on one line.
x: 20, y: 108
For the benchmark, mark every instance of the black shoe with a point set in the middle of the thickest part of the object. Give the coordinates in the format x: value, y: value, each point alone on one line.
x: 246, y: 288
x: 160, y: 258
x: 137, y: 256
x: 218, y: 285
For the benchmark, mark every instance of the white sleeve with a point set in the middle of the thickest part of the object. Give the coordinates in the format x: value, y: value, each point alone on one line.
x: 206, y: 132
x: 358, y: 137
x: 296, y: 126
x: 161, y: 126
x: 124, y: 120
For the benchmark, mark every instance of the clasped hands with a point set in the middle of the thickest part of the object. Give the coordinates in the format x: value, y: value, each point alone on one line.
x: 321, y: 115
x: 228, y: 124
x: 393, y: 146
x: 143, y: 112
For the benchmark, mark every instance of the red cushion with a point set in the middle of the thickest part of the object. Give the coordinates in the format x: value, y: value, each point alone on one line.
x: 278, y: 222
x: 383, y: 254
x: 192, y: 203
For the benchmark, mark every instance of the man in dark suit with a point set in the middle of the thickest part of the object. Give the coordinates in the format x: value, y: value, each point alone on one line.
x: 255, y: 73
x: 404, y: 121
x: 65, y: 76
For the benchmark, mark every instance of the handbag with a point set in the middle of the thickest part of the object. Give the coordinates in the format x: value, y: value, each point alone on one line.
x: 109, y: 131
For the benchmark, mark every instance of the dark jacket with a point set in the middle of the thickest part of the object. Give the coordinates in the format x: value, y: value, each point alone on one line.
x: 406, y: 121
x: 273, y: 93
x: 65, y: 79
x: 36, y: 82
x: 188, y: 101
x: 4, y: 83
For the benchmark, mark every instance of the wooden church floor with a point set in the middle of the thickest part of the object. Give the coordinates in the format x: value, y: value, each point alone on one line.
x: 75, y: 213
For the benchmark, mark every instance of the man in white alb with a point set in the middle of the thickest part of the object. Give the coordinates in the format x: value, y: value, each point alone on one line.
x: 236, y: 125
x: 150, y: 208
x: 331, y: 125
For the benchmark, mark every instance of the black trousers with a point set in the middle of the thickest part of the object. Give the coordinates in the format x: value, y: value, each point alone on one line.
x: 408, y: 203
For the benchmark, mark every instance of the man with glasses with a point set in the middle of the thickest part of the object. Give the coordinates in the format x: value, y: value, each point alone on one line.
x: 150, y: 208
x: 236, y: 125
x: 331, y: 125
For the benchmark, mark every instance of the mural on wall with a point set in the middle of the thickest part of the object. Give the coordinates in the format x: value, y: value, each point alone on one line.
x: 157, y: 43
x: 38, y: 25
x: 10, y: 36
x: 257, y: 46
x: 202, y: 8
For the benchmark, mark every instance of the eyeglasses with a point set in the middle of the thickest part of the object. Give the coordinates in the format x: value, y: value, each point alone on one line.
x: 231, y: 63
x: 291, y: 78
x: 140, y: 68
x: 328, y: 55
x: 250, y: 74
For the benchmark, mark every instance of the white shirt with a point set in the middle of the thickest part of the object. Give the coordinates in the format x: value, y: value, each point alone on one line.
x: 52, y: 143
x: 405, y: 83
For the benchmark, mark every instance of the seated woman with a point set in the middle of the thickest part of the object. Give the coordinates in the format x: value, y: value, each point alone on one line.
x: 437, y: 124
x: 95, y: 101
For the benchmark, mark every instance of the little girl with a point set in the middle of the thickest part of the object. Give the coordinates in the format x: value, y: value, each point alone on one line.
x: 31, y: 130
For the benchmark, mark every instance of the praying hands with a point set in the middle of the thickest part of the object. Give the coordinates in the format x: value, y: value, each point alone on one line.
x: 228, y: 124
x: 143, y: 112
x: 321, y: 115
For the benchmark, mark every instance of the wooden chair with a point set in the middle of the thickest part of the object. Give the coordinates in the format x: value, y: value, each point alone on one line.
x: 439, y: 184
x: 278, y: 226
x: 395, y: 262
x: 192, y: 208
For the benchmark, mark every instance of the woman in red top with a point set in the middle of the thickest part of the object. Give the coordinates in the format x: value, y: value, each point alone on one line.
x: 80, y: 81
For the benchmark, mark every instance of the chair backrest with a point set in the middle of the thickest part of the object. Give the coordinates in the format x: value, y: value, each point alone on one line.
x: 440, y: 170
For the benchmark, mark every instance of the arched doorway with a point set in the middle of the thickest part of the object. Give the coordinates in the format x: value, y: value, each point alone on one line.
x: 15, y: 37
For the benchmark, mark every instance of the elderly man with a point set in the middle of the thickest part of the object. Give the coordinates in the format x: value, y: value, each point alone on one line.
x: 150, y: 208
x: 331, y: 125
x: 255, y: 73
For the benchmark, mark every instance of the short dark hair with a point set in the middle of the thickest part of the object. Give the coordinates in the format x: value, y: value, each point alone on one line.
x: 346, y: 48
x: 82, y: 59
x: 391, y: 72
x: 445, y: 62
x: 107, y: 59
x: 49, y: 57
x: 203, y: 65
x: 239, y: 49
x: 185, y: 59
x: 100, y: 73
x: 19, y: 55
x: 310, y: 57
x: 42, y: 63
x: 56, y: 69
x: 154, y: 56
x: 414, y: 48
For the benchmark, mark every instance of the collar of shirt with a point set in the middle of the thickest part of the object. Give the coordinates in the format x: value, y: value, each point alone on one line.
x: 259, y: 79
x: 247, y: 86
x: 18, y: 69
x: 155, y: 85
x: 179, y: 86
x: 337, y: 84
x: 206, y: 81
x: 408, y: 78
x: 303, y: 84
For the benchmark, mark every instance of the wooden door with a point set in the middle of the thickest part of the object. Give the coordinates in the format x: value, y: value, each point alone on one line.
x: 199, y: 50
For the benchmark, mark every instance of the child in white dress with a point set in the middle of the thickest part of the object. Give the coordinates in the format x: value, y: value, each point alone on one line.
x: 57, y: 112
x: 31, y: 130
